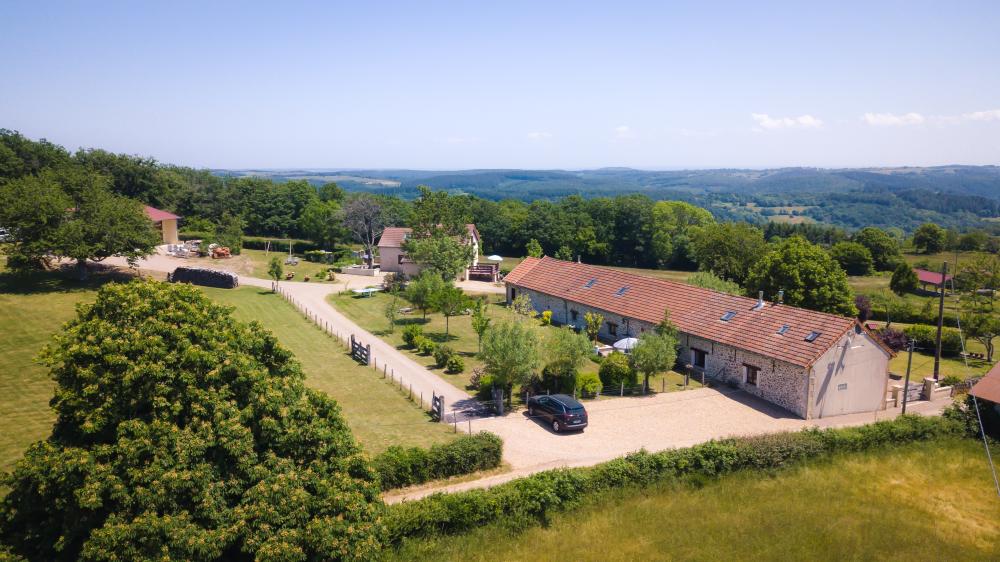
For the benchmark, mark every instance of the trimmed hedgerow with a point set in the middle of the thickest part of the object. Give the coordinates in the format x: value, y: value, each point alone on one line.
x: 406, y: 466
x: 533, y: 498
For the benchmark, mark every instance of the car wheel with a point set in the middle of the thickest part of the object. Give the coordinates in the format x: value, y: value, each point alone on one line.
x: 555, y: 426
x: 531, y: 412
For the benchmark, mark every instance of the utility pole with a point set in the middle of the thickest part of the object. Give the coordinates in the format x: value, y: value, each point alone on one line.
x: 906, y: 385
x: 937, y: 347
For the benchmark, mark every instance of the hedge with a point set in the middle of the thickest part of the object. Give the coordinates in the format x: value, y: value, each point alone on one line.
x: 406, y: 466
x: 533, y: 498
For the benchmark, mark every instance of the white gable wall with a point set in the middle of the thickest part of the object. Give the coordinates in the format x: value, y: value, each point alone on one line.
x: 850, y: 377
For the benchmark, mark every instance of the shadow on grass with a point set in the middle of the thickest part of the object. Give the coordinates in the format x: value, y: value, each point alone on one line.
x: 59, y: 281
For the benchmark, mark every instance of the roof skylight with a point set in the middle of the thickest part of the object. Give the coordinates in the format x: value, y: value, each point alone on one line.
x: 621, y: 291
x: 812, y: 336
x: 590, y: 283
x: 728, y: 316
x: 784, y: 328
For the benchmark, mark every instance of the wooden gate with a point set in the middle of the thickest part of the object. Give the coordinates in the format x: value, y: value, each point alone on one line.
x: 361, y: 353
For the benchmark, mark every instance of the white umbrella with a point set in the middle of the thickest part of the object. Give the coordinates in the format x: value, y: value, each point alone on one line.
x: 626, y: 344
x: 494, y: 257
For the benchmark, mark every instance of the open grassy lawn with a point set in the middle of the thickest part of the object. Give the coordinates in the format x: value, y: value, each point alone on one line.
x: 925, y: 501
x: 368, y: 313
x: 255, y: 263
x: 378, y: 414
x: 32, y: 308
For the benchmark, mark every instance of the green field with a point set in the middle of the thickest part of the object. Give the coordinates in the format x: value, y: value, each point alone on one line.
x: 926, y: 501
x: 33, y: 308
x: 368, y: 313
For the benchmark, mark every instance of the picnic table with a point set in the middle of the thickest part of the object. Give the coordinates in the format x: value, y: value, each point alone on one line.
x: 366, y: 292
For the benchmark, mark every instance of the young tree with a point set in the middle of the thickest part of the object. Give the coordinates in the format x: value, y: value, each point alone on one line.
x: 480, y: 319
x: 275, y: 270
x: 807, y: 274
x: 728, y: 249
x: 653, y: 354
x: 522, y: 306
x: 364, y: 219
x: 982, y: 327
x: 854, y: 258
x: 229, y: 233
x: 882, y: 246
x: 510, y: 352
x: 566, y: 350
x: 929, y: 238
x: 391, y: 310
x: 444, y: 255
x: 904, y: 279
x: 594, y: 321
x: 564, y: 253
x: 451, y: 301
x: 421, y: 291
x: 178, y: 455
x: 533, y: 249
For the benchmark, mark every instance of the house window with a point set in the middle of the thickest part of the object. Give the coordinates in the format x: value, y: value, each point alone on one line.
x: 612, y: 328
x: 574, y: 314
x: 698, y: 358
x: 400, y: 258
x: 750, y: 374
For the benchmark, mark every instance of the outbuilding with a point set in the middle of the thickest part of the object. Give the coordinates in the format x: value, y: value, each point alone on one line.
x: 166, y: 224
x: 810, y: 363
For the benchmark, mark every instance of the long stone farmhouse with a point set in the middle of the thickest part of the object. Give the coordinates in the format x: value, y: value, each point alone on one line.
x: 810, y: 363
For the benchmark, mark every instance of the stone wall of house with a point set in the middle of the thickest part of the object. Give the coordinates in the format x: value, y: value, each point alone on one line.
x: 778, y: 382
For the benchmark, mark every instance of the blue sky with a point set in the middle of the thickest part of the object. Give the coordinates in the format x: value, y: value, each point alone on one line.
x: 441, y: 85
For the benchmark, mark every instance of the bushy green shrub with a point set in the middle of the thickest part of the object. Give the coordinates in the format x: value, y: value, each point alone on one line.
x: 556, y: 380
x: 455, y: 364
x: 406, y: 466
x: 589, y: 384
x: 426, y: 346
x: 442, y: 353
x: 410, y: 335
x: 950, y: 380
x: 318, y: 256
x: 485, y: 389
x: 925, y: 337
x: 615, y: 369
x: 537, y: 496
x: 546, y: 318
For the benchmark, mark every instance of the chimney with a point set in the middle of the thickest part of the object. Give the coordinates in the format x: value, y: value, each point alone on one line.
x: 781, y: 296
x: 760, y: 301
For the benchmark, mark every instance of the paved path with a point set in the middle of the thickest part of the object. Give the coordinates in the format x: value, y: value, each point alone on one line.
x: 619, y: 426
x: 311, y: 299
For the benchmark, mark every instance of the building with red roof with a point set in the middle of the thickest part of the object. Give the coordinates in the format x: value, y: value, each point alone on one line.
x: 811, y: 363
x: 932, y: 278
x: 165, y: 222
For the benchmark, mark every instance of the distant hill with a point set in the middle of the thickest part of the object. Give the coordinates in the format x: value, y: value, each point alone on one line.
x: 958, y: 196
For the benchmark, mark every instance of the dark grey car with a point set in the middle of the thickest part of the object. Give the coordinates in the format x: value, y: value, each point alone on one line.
x: 561, y: 411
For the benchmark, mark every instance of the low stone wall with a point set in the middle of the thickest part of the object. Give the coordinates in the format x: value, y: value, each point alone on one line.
x: 364, y: 271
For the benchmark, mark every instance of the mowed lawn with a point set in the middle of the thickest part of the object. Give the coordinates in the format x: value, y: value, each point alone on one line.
x: 368, y: 312
x: 927, y: 501
x: 34, y: 308
x: 379, y: 415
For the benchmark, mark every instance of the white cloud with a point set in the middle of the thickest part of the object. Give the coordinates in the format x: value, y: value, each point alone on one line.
x: 765, y: 121
x: 539, y: 135
x: 624, y: 132
x: 990, y: 115
x: 893, y: 120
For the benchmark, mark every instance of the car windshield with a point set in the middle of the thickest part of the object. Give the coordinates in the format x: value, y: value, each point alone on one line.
x: 574, y: 408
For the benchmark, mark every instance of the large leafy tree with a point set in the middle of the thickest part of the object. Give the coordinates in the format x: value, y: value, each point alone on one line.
x: 322, y: 222
x: 904, y: 279
x: 183, y: 434
x: 853, y: 257
x: 929, y: 238
x: 440, y: 253
x: 72, y: 214
x: 807, y: 274
x: 436, y: 211
x: 883, y: 247
x: 672, y: 221
x: 728, y: 249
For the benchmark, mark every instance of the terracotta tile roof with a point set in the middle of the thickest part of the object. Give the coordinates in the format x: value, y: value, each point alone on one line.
x: 156, y: 215
x: 932, y: 277
x: 988, y: 387
x: 393, y: 236
x: 693, y: 310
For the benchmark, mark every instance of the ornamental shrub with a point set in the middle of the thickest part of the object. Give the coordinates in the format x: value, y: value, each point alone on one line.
x: 410, y: 335
x: 425, y: 346
x: 455, y: 365
x: 442, y: 353
x: 615, y: 369
x: 485, y: 389
x: 406, y: 466
x: 546, y: 318
x: 589, y: 384
x: 181, y: 433
x: 925, y: 337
